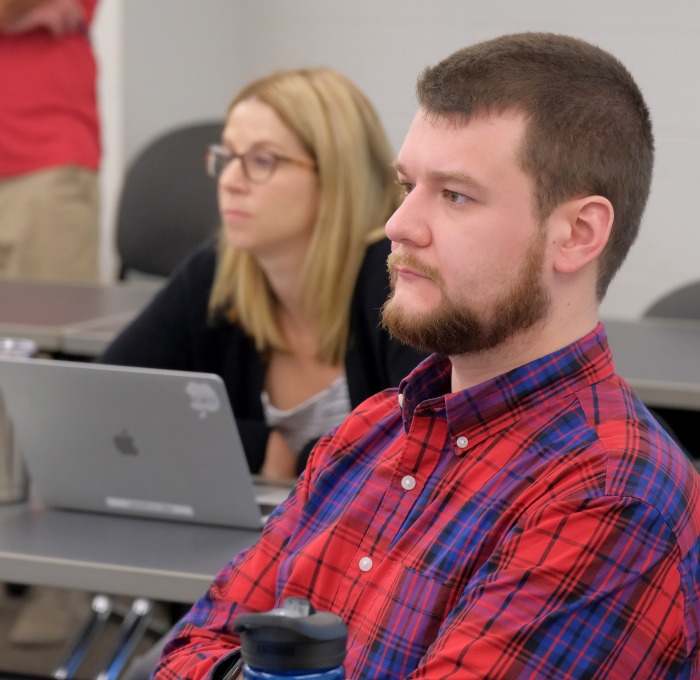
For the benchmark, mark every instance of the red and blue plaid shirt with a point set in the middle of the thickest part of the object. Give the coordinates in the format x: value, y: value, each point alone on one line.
x: 538, y: 525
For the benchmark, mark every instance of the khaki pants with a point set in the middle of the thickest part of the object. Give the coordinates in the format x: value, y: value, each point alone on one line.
x: 49, y: 225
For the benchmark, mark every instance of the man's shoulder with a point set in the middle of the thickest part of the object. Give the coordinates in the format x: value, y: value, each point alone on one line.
x: 637, y: 459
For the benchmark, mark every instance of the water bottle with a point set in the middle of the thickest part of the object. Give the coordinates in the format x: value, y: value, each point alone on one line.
x: 294, y: 642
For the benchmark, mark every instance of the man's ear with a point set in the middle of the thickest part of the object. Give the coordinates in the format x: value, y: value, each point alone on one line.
x: 587, y: 223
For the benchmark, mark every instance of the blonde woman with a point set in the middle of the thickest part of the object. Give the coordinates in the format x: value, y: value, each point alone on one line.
x: 286, y: 306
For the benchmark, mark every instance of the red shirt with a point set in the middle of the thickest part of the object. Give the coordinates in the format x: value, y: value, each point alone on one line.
x: 48, y: 107
x: 538, y: 525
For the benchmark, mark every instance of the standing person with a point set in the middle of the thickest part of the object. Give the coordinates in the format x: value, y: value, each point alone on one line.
x: 512, y: 510
x: 49, y: 157
x: 49, y: 141
x: 286, y: 307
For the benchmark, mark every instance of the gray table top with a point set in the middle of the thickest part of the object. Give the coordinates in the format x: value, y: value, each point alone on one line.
x: 48, y: 313
x: 660, y: 358
x: 114, y: 555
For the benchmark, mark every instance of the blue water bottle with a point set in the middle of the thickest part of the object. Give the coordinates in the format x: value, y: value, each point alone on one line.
x: 294, y: 642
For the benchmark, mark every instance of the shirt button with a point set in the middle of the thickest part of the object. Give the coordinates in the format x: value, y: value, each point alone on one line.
x: 408, y: 483
x: 400, y: 399
x: 366, y: 563
x: 462, y: 442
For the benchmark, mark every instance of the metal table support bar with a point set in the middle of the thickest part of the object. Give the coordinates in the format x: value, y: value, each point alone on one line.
x: 133, y: 627
x: 135, y: 623
x: 101, y: 609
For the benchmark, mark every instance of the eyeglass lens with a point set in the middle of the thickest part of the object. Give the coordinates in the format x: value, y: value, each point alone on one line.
x: 258, y: 165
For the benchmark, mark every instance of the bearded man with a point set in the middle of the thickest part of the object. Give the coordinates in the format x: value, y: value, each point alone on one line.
x: 512, y: 511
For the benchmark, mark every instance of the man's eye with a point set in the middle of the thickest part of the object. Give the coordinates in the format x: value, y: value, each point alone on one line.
x: 406, y: 187
x: 455, y: 197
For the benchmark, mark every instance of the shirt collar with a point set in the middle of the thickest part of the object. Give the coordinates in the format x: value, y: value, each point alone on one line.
x: 494, y: 404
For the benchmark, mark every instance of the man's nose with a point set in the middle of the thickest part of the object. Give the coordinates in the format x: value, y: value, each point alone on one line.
x: 409, y: 223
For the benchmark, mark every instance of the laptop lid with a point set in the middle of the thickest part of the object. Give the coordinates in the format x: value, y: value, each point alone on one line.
x: 133, y: 441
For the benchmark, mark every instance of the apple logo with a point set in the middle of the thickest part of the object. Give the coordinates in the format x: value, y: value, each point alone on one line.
x: 203, y: 399
x: 125, y: 443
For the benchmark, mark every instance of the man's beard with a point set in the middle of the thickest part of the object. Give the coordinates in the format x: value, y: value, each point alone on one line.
x: 455, y: 327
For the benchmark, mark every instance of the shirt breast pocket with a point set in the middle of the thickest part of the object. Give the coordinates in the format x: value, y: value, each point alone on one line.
x: 402, y: 610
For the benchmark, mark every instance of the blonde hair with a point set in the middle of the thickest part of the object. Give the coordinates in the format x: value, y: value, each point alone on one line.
x: 341, y: 131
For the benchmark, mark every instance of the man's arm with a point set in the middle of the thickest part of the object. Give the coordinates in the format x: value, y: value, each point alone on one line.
x: 592, y: 591
x: 247, y: 584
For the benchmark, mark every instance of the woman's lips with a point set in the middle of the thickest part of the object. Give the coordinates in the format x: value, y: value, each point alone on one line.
x: 234, y: 214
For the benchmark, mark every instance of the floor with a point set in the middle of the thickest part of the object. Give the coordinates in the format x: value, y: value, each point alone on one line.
x: 44, y: 659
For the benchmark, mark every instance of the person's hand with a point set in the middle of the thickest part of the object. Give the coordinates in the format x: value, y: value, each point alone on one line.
x: 280, y: 461
x: 59, y: 17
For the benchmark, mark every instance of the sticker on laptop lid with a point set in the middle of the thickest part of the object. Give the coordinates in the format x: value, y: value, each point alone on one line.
x: 203, y: 398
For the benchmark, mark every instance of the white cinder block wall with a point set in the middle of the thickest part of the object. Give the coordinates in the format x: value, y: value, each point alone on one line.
x: 175, y: 61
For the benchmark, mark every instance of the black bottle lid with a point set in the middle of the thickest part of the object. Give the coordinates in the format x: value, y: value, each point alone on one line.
x: 294, y: 637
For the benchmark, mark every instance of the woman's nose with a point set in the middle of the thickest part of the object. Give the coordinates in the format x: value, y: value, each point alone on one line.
x: 233, y: 176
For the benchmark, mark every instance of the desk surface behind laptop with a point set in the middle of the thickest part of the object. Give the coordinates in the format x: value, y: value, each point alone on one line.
x: 46, y: 312
x: 115, y: 555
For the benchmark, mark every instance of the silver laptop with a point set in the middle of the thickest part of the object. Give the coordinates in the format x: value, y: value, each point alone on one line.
x: 133, y: 441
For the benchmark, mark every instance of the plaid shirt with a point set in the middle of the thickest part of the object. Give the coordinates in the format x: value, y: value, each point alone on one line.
x: 538, y: 525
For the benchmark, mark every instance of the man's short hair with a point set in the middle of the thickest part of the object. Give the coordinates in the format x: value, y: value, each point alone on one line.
x: 588, y: 127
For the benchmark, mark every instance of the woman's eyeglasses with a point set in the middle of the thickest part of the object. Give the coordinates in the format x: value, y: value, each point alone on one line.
x: 258, y: 164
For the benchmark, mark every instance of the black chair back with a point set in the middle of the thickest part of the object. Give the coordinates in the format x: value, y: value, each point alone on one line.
x: 168, y: 204
x: 681, y: 424
x: 682, y: 303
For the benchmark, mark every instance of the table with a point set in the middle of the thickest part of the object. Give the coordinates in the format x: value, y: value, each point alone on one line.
x: 660, y: 358
x: 70, y: 318
x: 155, y: 559
x: 161, y: 560
x: 141, y: 558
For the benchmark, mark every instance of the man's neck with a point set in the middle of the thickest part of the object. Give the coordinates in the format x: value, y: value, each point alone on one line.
x: 543, y: 339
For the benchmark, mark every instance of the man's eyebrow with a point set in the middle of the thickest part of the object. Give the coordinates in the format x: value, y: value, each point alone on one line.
x: 461, y: 178
x: 442, y: 177
x: 398, y: 167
